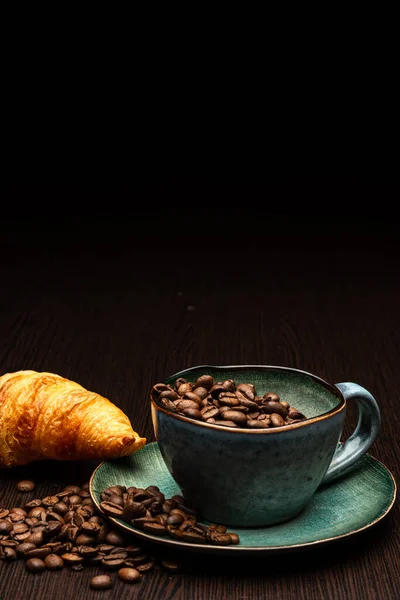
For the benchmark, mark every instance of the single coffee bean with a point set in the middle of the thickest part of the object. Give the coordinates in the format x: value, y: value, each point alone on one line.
x: 193, y: 537
x: 182, y: 405
x: 209, y: 412
x: 158, y: 388
x: 129, y: 575
x: 5, y: 527
x: 169, y: 395
x: 184, y: 388
x: 38, y: 552
x: 37, y: 512
x: 192, y: 413
x: 145, y: 567
x: 247, y: 390
x: 9, y: 554
x: 25, y: 486
x: 277, y: 420
x: 192, y: 396
x: 35, y: 565
x: 110, y: 509
x: 155, y: 528
x: 221, y: 539
x: 71, y: 558
x: 276, y: 407
x: 75, y: 489
x: 114, y: 537
x: 7, y: 543
x: 258, y: 424
x: 229, y: 399
x: 101, y: 582
x: 75, y: 499
x: 170, y: 565
x: 53, y: 562
x: 271, y: 396
x: 23, y: 548
x: 49, y: 501
x: 201, y: 391
x: 35, y: 538
x: 205, y: 381
x: 113, y: 561
x: 235, y: 416
x: 293, y: 413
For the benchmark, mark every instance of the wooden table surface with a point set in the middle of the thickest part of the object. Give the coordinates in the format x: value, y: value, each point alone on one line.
x: 118, y: 301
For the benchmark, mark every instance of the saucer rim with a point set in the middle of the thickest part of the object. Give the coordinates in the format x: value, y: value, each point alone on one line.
x: 215, y: 549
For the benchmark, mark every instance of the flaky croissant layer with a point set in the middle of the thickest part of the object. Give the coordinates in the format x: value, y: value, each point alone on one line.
x: 45, y: 416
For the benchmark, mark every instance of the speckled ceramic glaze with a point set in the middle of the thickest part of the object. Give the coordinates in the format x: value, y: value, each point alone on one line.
x: 250, y: 478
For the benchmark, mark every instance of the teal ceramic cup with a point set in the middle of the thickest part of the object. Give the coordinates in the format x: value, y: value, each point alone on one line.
x: 252, y: 478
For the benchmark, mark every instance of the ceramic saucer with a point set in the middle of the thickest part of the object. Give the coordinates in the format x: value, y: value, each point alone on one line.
x: 358, y: 500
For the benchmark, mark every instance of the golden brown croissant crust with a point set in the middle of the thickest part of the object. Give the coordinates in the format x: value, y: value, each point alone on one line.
x: 45, y: 416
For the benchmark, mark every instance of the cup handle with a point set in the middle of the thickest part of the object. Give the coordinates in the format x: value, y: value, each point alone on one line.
x: 364, y: 435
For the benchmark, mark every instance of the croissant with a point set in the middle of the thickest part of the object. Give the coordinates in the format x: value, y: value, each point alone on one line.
x: 45, y: 416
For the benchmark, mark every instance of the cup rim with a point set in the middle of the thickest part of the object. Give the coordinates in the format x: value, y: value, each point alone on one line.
x: 268, y: 431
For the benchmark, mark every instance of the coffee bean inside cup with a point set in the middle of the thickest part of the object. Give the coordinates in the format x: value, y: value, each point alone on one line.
x: 226, y: 403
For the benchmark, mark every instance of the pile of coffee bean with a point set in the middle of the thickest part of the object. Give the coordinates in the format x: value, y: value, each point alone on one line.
x: 149, y: 510
x: 226, y: 403
x: 65, y: 530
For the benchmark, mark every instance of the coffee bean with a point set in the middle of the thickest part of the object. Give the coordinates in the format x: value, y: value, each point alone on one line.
x: 53, y: 562
x: 101, y: 582
x: 35, y: 538
x: 170, y: 565
x: 258, y: 424
x: 184, y: 388
x: 75, y: 489
x: 114, y: 537
x: 23, y: 548
x: 38, y: 553
x: 192, y: 413
x: 129, y: 575
x: 277, y: 420
x: 235, y: 416
x: 201, y: 391
x: 50, y: 501
x: 71, y: 558
x: 271, y: 396
x: 146, y: 567
x: 205, y: 381
x: 25, y: 486
x: 112, y: 562
x: 192, y: 396
x: 155, y: 528
x: 234, y: 538
x: 110, y: 509
x: 277, y: 408
x: 5, y: 527
x: 35, y: 565
x: 9, y: 554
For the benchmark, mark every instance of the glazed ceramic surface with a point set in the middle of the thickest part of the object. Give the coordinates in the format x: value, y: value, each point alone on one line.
x: 253, y: 478
x: 345, y: 507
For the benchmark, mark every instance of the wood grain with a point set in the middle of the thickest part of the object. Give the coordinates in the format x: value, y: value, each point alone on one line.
x: 117, y: 311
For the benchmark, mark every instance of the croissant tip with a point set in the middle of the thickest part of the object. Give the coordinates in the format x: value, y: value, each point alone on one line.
x: 131, y: 444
